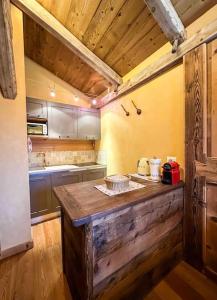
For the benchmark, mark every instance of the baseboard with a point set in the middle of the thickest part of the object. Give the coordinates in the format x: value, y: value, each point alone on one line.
x: 16, y: 249
x: 44, y: 218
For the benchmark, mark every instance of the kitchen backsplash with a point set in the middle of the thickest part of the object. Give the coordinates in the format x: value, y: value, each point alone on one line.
x: 52, y: 158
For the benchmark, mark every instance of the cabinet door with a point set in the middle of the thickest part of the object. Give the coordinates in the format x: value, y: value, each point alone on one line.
x: 62, y: 122
x: 40, y: 194
x: 63, y: 178
x: 36, y: 108
x: 94, y: 174
x: 88, y: 124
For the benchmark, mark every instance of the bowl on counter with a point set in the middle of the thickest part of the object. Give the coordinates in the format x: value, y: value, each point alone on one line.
x: 117, y: 182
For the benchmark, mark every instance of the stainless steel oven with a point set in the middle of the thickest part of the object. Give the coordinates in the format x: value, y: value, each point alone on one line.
x: 37, y: 128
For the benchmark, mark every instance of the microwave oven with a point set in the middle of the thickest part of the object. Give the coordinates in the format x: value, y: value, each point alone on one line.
x: 37, y: 128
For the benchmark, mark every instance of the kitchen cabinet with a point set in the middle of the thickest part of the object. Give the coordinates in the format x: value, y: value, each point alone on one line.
x: 88, y: 124
x: 43, y: 201
x: 63, y: 178
x: 94, y: 174
x: 36, y: 108
x: 62, y: 121
x: 40, y: 194
x: 66, y: 121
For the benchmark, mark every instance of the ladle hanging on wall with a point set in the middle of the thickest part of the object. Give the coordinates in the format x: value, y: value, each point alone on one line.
x: 126, y: 112
x: 138, y: 110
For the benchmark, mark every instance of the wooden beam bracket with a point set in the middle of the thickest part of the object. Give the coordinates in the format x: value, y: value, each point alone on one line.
x: 167, y: 18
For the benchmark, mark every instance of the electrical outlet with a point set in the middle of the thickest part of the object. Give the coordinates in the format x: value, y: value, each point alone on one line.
x: 171, y: 158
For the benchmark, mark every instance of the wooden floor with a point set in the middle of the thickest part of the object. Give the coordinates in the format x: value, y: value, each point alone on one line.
x: 37, y: 274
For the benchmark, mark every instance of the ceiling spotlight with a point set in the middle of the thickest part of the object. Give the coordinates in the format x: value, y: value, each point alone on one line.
x: 53, y: 92
x: 94, y: 101
x: 76, y: 98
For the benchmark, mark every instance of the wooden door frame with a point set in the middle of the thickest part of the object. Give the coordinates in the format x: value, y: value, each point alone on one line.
x: 195, y: 149
x: 200, y: 169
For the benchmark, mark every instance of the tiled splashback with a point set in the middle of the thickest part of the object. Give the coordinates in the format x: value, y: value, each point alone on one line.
x: 52, y: 158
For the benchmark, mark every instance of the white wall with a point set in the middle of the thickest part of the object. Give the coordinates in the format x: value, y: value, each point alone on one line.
x: 15, y: 226
x: 39, y: 81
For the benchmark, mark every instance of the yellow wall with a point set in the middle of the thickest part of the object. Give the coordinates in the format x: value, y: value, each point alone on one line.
x: 39, y: 81
x: 159, y: 130
x: 14, y: 186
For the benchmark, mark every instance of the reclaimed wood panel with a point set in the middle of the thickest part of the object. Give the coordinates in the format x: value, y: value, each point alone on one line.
x: 82, y: 208
x: 212, y: 98
x: 75, y: 262
x: 134, y: 245
x: 8, y: 83
x: 41, y: 275
x: 195, y: 149
x: 124, y: 253
x: 139, y: 277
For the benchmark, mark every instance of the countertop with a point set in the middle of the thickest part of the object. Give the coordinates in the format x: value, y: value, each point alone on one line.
x: 84, y: 203
x: 61, y: 168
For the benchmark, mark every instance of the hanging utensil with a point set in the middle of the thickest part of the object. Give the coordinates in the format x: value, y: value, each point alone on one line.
x: 139, y: 111
x: 127, y: 112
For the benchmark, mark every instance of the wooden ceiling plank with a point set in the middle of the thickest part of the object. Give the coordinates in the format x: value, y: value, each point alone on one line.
x: 8, y: 82
x: 166, y: 16
x: 189, y: 11
x: 205, y: 35
x: 138, y: 30
x: 119, y: 27
x: 45, y: 50
x: 101, y: 21
x: 75, y: 15
x: 52, y: 25
x: 80, y: 15
x: 149, y: 44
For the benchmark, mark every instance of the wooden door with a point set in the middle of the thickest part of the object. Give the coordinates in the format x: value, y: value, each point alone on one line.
x: 62, y: 122
x: 88, y: 124
x: 201, y: 163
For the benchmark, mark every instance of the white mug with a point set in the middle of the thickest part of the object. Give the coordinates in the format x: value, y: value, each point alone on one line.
x: 155, y: 165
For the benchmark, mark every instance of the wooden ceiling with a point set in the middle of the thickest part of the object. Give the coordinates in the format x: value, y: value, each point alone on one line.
x: 120, y: 32
x: 48, y: 52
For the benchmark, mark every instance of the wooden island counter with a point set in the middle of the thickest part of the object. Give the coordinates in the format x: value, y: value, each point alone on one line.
x: 119, y: 247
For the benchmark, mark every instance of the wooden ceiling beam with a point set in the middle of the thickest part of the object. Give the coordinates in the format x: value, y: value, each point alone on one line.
x: 41, y: 16
x: 167, y: 18
x: 163, y: 64
x: 8, y: 82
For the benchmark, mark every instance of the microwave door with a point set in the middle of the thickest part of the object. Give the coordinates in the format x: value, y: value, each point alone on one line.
x: 35, y: 129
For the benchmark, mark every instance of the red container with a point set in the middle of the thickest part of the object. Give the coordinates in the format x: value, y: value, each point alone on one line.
x: 171, y: 173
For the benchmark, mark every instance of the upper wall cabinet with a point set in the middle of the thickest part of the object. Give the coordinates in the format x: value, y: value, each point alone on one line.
x: 36, y: 108
x: 62, y: 121
x: 88, y: 124
x: 66, y: 121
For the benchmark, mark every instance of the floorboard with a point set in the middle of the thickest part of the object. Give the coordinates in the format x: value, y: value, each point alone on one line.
x: 37, y: 274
